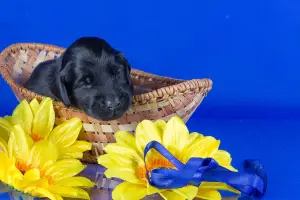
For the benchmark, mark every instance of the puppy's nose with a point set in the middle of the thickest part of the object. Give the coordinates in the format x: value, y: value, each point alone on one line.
x: 112, y: 104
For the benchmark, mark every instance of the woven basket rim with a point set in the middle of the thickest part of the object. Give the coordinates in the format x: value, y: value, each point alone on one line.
x: 178, y: 86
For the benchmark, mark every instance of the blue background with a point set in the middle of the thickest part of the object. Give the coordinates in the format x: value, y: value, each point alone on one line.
x: 249, y: 48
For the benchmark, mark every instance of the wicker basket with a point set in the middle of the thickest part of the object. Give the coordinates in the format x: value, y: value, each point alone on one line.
x: 155, y: 97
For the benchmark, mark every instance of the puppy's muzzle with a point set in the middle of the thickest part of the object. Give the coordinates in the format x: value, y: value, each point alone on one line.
x: 111, y: 103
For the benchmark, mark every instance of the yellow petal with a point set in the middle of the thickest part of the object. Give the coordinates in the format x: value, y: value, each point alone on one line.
x: 32, y: 175
x: 126, y: 139
x: 113, y: 160
x: 34, y: 105
x: 76, y: 150
x: 126, y: 174
x: 3, y: 146
x: 214, y: 148
x: 10, y: 147
x: 201, y: 148
x: 47, y: 165
x: 106, y: 161
x: 9, y: 174
x: 146, y: 132
x: 218, y: 186
x: 71, y: 192
x: 174, y: 151
x: 64, y: 135
x: 224, y: 159
x: 70, y: 154
x: 123, y: 152
x: 58, y: 197
x: 43, y: 121
x: 64, y: 169
x: 40, y: 192
x: 5, y: 165
x: 195, y: 136
x: 9, y: 119
x: 5, y: 129
x: 40, y: 183
x: 14, y: 176
x: 152, y: 190
x: 189, y: 192
x: 161, y: 126
x: 129, y: 191
x: 209, y: 194
x: 80, y: 145
x: 42, y: 152
x: 176, y: 134
x: 23, y: 115
x: 171, y: 195
x: 21, y: 145
x: 75, y: 182
x: 229, y: 167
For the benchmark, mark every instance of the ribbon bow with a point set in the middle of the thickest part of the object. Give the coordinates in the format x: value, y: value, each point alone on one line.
x: 252, y: 182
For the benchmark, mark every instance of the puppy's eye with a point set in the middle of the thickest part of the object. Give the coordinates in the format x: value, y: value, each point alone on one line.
x: 88, y: 80
x: 88, y: 63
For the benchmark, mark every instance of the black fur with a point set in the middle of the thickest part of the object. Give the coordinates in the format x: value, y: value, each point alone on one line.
x: 89, y: 75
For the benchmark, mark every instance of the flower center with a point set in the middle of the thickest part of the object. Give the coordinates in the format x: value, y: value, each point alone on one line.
x: 36, y: 137
x: 50, y: 180
x: 154, y: 164
x: 22, y: 166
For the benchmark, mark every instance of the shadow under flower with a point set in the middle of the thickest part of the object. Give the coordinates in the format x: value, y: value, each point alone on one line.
x: 11, y: 194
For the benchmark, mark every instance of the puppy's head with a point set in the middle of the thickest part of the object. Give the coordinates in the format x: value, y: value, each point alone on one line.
x: 95, y: 78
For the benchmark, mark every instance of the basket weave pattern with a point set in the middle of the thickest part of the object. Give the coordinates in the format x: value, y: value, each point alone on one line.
x: 155, y: 97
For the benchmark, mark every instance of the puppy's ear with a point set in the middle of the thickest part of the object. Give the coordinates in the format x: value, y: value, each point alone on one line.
x: 62, y: 84
x: 125, y: 61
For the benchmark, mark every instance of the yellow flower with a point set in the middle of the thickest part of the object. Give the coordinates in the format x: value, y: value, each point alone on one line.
x: 37, y: 120
x: 125, y: 160
x: 34, y: 169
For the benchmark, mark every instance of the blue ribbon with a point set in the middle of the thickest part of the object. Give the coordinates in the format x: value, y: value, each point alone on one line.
x: 251, y: 183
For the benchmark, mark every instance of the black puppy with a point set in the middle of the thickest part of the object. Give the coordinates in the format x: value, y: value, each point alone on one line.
x: 90, y: 75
